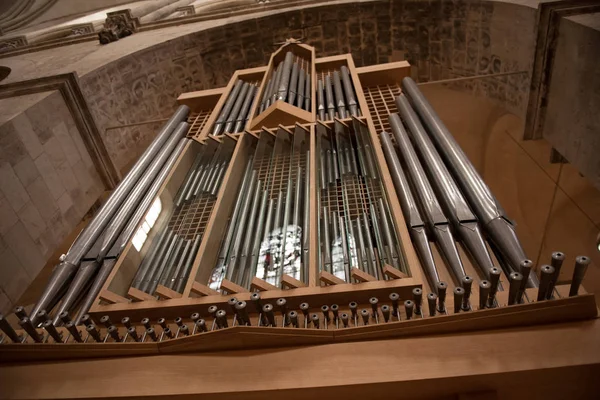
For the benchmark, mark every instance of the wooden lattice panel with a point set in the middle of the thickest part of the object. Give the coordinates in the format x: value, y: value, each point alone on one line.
x: 191, y: 218
x: 381, y: 101
x: 197, y: 120
x: 351, y: 195
x: 275, y: 172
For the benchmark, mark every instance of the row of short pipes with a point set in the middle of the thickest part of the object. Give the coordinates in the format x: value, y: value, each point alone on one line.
x: 267, y: 314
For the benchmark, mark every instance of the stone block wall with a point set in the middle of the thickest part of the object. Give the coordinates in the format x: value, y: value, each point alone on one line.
x: 47, y: 184
x: 442, y: 39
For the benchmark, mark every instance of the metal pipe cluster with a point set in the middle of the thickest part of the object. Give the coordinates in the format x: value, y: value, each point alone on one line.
x: 289, y: 82
x: 169, y: 258
x: 279, y: 314
x: 336, y: 96
x: 355, y: 224
x: 453, y: 176
x: 77, y: 280
x: 267, y: 233
x: 236, y: 111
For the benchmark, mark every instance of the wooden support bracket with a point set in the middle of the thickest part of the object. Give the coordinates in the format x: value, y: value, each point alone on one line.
x: 203, y: 290
x: 361, y: 276
x: 137, y: 295
x: 291, y: 283
x: 261, y: 285
x: 231, y: 287
x: 330, y: 279
x: 393, y: 273
x: 112, y: 298
x: 166, y: 293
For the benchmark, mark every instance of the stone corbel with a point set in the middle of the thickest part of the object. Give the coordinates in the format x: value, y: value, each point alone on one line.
x: 12, y: 43
x: 186, y: 11
x: 119, y: 24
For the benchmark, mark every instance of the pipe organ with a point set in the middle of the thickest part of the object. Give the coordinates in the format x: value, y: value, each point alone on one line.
x: 309, y: 203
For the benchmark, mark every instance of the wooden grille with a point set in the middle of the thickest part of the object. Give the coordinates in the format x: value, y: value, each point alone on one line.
x: 197, y: 120
x: 275, y: 172
x: 191, y: 218
x: 351, y: 195
x: 381, y: 101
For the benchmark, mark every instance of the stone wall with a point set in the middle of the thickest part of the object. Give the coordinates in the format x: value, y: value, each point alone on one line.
x: 47, y: 184
x: 573, y: 118
x: 442, y: 39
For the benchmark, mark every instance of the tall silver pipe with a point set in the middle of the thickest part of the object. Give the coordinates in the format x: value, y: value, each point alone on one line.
x: 168, y: 267
x: 297, y: 197
x: 389, y: 237
x: 301, y: 79
x: 266, y: 99
x: 371, y: 260
x: 237, y: 107
x: 242, y: 118
x: 257, y: 236
x: 360, y: 247
x: 113, y: 230
x: 307, y: 92
x: 320, y: 100
x: 491, y: 215
x: 172, y: 279
x: 306, y: 219
x: 412, y: 216
x: 187, y: 182
x: 455, y: 206
x: 326, y: 241
x: 157, y: 244
x: 183, y: 277
x: 436, y: 220
x: 267, y: 233
x: 287, y: 208
x: 349, y: 91
x: 150, y: 285
x: 153, y: 264
x: 329, y: 100
x: 226, y: 110
x: 284, y: 83
x: 340, y: 103
x: 293, y: 85
x: 217, y: 182
x: 240, y: 228
x: 64, y: 271
x: 250, y: 234
x: 276, y: 83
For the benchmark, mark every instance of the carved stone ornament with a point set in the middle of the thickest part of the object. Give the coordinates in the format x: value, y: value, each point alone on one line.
x: 118, y: 24
x: 12, y: 43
